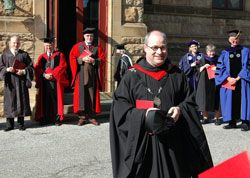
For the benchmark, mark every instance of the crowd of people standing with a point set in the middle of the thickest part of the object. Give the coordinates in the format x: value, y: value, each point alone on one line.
x: 220, y: 83
x: 17, y: 71
x: 156, y: 107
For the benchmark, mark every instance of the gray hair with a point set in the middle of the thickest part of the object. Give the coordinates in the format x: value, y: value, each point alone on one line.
x: 149, y: 33
x: 210, y: 47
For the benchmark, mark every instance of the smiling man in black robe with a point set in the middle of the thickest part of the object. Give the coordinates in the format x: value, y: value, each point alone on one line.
x: 155, y: 131
x: 16, y: 70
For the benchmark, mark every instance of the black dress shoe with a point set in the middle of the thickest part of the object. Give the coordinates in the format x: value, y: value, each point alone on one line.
x: 22, y: 128
x: 8, y: 129
x: 244, y: 127
x: 230, y: 126
x: 58, y: 123
x: 217, y: 122
x: 205, y: 121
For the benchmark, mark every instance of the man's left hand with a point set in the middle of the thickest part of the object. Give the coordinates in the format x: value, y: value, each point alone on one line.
x: 20, y: 72
x: 89, y: 60
x: 175, y: 113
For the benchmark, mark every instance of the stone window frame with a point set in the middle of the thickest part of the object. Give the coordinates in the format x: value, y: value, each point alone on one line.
x: 225, y: 4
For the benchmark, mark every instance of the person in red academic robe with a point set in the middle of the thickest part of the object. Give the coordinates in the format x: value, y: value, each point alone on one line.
x: 51, y: 78
x: 86, y: 59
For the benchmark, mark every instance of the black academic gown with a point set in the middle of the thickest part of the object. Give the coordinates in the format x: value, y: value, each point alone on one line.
x: 16, y: 95
x: 208, y: 94
x: 123, y: 65
x: 180, y: 153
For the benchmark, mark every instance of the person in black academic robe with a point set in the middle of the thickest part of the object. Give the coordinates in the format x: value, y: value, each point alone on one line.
x: 188, y: 63
x: 155, y: 131
x: 208, y: 94
x: 17, y: 81
x: 124, y: 63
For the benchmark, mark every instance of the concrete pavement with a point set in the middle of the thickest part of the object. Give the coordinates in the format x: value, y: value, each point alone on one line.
x: 72, y: 151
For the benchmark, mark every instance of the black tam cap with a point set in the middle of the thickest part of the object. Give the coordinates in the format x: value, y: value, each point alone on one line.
x: 234, y: 33
x: 48, y: 40
x: 120, y: 46
x: 197, y: 43
x: 88, y: 30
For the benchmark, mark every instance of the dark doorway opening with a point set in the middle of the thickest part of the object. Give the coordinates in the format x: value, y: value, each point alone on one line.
x: 67, y: 31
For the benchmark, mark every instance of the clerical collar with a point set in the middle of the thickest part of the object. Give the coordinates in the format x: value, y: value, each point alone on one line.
x: 144, y: 64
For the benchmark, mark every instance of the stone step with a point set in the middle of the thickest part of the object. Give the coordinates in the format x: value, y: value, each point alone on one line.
x: 105, y: 106
x: 104, y: 115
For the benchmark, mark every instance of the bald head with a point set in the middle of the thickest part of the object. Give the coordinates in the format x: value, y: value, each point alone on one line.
x: 155, y: 32
x: 14, y: 43
x: 155, y: 47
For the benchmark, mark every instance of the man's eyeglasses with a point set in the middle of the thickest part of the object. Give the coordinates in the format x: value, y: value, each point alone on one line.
x: 155, y: 48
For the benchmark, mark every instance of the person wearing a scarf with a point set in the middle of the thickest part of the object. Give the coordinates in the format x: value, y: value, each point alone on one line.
x: 155, y: 130
x: 233, y: 74
x: 208, y: 94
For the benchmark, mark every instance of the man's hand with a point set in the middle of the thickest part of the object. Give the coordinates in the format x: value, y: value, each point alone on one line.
x: 193, y: 64
x: 48, y: 76
x: 10, y: 69
x: 20, y: 72
x: 231, y: 80
x: 175, y: 113
x: 88, y: 59
x: 203, y: 67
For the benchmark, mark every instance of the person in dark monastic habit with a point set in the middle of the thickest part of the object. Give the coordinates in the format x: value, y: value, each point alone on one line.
x: 124, y: 63
x: 155, y: 131
x: 233, y: 75
x: 188, y: 63
x: 51, y: 78
x: 86, y: 60
x: 208, y: 94
x: 16, y: 69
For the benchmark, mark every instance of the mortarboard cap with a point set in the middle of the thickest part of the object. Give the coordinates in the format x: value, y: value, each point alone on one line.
x: 193, y: 42
x: 88, y: 30
x: 234, y: 33
x: 48, y: 40
x: 120, y: 46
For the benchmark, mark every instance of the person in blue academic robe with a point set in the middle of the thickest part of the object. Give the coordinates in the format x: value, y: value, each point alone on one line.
x: 188, y: 63
x: 233, y: 70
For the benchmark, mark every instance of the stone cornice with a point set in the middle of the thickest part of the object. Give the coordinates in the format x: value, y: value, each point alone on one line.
x: 195, y: 11
x: 16, y: 19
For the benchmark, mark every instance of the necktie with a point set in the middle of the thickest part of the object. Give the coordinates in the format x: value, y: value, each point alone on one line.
x: 49, y: 55
x: 14, y: 53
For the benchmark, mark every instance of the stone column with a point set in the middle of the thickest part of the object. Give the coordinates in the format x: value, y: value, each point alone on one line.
x: 126, y: 27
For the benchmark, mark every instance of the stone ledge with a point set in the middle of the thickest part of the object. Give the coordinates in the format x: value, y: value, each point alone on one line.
x: 16, y: 19
x: 194, y: 11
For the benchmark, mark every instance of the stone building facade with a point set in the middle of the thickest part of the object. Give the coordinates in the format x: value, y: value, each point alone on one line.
x: 128, y: 21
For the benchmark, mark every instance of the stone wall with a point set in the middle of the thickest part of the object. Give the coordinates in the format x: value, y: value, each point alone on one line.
x: 24, y: 8
x: 28, y: 22
x: 126, y: 27
x: 187, y: 20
